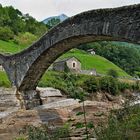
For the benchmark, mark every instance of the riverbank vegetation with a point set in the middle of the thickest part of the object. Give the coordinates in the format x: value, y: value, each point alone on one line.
x: 90, y: 84
x: 123, y: 124
x: 62, y: 81
x: 19, y: 28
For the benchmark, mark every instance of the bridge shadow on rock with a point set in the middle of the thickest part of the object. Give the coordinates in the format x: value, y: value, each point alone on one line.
x: 54, y: 120
x: 52, y: 117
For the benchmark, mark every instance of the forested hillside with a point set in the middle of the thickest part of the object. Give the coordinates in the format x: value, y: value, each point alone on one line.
x: 124, y: 55
x: 18, y: 27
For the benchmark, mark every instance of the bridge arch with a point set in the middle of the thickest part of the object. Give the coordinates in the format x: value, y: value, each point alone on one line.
x: 119, y: 24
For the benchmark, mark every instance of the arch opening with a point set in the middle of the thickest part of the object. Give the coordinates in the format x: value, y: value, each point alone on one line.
x: 50, y: 55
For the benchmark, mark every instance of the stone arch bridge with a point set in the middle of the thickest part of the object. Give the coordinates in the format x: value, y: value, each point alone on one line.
x: 25, y: 69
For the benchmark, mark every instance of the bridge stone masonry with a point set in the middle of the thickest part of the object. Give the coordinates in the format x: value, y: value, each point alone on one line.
x: 25, y: 69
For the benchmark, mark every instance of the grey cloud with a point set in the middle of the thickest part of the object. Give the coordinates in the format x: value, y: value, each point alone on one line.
x: 41, y: 9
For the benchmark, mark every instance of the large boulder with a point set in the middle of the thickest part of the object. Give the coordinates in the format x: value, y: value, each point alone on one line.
x: 49, y: 94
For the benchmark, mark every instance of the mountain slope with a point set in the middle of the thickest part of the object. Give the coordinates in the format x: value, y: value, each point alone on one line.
x: 61, y: 17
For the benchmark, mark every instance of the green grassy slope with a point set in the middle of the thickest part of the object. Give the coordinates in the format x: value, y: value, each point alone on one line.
x: 89, y: 61
x: 4, y: 81
x: 10, y: 47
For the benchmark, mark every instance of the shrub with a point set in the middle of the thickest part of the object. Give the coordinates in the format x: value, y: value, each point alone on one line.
x: 136, y: 85
x: 43, y: 133
x: 35, y: 133
x: 61, y: 132
x: 123, y: 86
x: 124, y: 124
x: 91, y: 85
x: 20, y: 138
x: 6, y: 33
x: 113, y: 73
x: 25, y: 39
x: 110, y: 85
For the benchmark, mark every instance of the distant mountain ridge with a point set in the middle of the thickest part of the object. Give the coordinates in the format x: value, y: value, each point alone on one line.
x: 62, y: 17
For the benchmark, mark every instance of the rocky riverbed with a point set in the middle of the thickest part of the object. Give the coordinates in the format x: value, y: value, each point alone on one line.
x: 55, y: 111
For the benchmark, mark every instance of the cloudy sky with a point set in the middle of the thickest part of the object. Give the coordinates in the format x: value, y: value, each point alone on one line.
x: 41, y: 9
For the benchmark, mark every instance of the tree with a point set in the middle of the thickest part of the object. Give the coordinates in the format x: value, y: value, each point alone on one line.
x: 14, y: 22
x: 124, y: 55
x: 91, y: 85
x: 113, y: 73
x: 6, y: 33
x: 110, y: 85
x: 25, y: 39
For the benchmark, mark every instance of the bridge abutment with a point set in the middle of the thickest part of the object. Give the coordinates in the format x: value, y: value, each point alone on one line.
x: 29, y: 99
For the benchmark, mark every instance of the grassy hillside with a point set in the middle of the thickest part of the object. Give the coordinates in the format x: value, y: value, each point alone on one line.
x: 10, y: 47
x: 4, y: 81
x: 89, y: 61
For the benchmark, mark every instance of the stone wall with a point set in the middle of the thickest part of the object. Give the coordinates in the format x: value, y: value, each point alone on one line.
x: 89, y: 72
x: 70, y: 62
x: 59, y: 66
